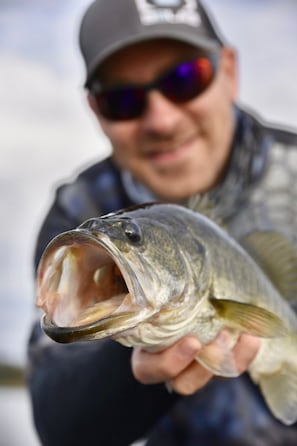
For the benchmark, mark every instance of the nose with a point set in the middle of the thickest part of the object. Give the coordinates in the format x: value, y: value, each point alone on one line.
x: 161, y: 116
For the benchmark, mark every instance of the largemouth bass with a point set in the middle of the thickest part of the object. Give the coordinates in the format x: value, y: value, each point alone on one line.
x: 149, y: 275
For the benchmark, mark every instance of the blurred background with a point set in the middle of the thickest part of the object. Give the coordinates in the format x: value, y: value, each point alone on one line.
x: 48, y: 134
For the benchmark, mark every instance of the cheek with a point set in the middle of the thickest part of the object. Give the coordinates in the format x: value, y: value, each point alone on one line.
x: 221, y: 123
x: 213, y: 112
x: 124, y: 140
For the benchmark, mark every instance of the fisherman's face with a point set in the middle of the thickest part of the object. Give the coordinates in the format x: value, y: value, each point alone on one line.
x: 174, y: 149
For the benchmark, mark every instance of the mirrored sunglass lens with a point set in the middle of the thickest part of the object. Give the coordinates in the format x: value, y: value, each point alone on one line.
x: 121, y: 104
x: 187, y: 80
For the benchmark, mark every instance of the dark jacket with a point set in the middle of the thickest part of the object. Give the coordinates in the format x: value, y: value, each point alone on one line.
x: 85, y: 393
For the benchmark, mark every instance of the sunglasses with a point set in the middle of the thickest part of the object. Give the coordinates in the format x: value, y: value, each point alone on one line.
x: 181, y: 83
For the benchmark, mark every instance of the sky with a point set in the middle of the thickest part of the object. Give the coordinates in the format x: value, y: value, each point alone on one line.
x: 48, y: 133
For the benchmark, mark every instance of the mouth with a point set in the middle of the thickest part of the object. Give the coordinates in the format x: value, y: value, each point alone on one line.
x: 162, y: 157
x: 82, y: 291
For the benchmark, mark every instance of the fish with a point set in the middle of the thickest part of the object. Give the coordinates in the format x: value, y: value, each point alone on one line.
x: 147, y: 275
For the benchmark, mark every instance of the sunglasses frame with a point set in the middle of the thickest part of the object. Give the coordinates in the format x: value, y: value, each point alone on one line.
x: 96, y: 90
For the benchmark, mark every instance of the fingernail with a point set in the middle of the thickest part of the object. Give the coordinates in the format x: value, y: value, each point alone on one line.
x: 189, y: 347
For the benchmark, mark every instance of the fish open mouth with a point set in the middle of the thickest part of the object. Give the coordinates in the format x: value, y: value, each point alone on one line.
x: 79, y: 285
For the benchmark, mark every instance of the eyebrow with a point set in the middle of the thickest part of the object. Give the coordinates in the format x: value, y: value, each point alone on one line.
x: 102, y: 84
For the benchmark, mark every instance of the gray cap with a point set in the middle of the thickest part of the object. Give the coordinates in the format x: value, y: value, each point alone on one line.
x: 110, y: 25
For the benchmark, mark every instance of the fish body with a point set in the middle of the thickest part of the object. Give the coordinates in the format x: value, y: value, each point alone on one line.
x: 150, y: 275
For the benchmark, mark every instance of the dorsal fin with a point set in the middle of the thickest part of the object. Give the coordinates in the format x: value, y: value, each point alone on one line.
x: 277, y: 257
x: 207, y: 206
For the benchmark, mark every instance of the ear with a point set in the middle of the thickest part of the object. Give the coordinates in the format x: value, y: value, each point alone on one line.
x: 93, y: 106
x: 92, y: 103
x: 229, y: 69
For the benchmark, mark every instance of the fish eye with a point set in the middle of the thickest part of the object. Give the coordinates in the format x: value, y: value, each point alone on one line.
x: 132, y: 231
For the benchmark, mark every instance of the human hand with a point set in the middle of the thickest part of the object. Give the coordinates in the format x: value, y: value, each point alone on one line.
x: 177, y: 366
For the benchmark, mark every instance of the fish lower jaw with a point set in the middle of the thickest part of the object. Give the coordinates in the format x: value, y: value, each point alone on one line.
x: 112, y: 326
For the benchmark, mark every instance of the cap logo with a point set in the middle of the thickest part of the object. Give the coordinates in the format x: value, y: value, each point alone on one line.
x: 154, y: 12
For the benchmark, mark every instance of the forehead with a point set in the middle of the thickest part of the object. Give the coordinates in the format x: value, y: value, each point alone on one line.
x: 143, y: 61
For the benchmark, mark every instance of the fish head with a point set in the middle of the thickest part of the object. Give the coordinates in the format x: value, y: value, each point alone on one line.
x: 108, y: 275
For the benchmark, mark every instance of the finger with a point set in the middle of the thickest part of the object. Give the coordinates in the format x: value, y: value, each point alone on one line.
x: 152, y: 368
x: 192, y: 379
x: 245, y: 351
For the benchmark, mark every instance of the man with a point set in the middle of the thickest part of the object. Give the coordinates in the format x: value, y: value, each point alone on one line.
x: 163, y: 85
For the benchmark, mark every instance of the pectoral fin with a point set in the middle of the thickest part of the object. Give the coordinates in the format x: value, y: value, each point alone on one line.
x: 249, y: 318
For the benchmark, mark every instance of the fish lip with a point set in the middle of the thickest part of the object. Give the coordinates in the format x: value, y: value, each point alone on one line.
x: 96, y: 330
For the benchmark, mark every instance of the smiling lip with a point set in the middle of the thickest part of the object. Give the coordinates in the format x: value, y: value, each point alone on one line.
x: 171, y: 156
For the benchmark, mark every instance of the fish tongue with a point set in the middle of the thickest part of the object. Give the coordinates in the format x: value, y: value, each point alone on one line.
x: 98, y: 311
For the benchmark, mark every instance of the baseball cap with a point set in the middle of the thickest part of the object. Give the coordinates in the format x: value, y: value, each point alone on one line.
x: 110, y: 25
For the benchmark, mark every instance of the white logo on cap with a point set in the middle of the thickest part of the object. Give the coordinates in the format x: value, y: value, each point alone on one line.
x: 154, y: 12
x: 167, y: 3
